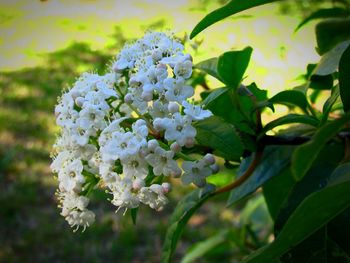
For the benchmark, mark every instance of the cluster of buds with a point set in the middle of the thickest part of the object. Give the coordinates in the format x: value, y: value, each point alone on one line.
x: 125, y: 131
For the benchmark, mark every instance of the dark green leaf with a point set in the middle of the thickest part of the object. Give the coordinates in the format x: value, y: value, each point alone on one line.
x: 276, y: 190
x: 209, y: 66
x: 324, y: 13
x: 290, y: 97
x: 220, y: 136
x: 340, y: 174
x: 327, y: 106
x: 231, y: 66
x: 344, y: 79
x: 233, y: 7
x: 330, y: 61
x: 201, y: 248
x: 305, y: 154
x: 315, y: 179
x: 290, y: 118
x: 314, y: 212
x: 133, y: 213
x: 275, y: 159
x: 318, y: 82
x: 331, y: 32
x: 182, y: 213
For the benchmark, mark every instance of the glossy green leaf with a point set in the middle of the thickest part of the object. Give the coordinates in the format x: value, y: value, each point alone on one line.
x: 201, y: 248
x: 324, y: 13
x: 329, y: 62
x: 182, y: 213
x: 221, y: 136
x: 213, y: 95
x: 290, y: 97
x: 232, y: 65
x: 233, y: 7
x: 209, y: 66
x: 331, y: 32
x: 344, y: 79
x: 290, y: 118
x: 305, y: 154
x: 274, y: 160
x: 314, y: 212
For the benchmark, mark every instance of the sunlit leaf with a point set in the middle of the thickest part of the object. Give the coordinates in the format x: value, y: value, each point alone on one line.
x: 231, y: 66
x: 209, y: 66
x: 233, y: 7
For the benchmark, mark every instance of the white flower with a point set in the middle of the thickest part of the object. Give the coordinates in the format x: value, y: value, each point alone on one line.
x: 176, y: 90
x: 70, y: 176
x: 196, y: 112
x: 183, y: 69
x: 153, y: 196
x: 162, y: 162
x: 135, y: 167
x: 195, y: 172
x: 179, y: 129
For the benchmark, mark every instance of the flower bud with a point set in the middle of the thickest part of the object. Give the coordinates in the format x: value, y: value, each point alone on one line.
x: 128, y: 98
x: 173, y: 107
x: 215, y: 168
x: 175, y: 147
x: 166, y: 188
x: 189, y: 142
x: 147, y: 95
x: 79, y: 101
x: 137, y: 184
x: 152, y: 144
x: 209, y: 159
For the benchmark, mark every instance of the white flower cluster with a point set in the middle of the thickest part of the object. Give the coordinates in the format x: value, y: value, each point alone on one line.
x: 125, y: 130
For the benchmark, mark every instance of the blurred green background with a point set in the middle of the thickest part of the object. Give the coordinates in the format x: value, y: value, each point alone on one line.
x: 45, y: 45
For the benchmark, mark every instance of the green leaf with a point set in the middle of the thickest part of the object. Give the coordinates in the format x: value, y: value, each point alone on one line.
x: 276, y: 190
x: 305, y: 154
x: 182, y: 213
x: 314, y: 212
x: 233, y: 7
x: 209, y: 66
x: 327, y: 106
x: 290, y: 97
x: 274, y: 160
x: 133, y: 213
x: 213, y: 95
x: 331, y: 32
x: 318, y: 82
x: 344, y: 79
x: 330, y: 61
x: 340, y: 174
x: 290, y: 118
x: 220, y: 136
x: 324, y: 13
x: 231, y: 66
x: 201, y: 248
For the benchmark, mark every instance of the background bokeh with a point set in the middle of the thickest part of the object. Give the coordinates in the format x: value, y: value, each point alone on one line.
x: 45, y: 45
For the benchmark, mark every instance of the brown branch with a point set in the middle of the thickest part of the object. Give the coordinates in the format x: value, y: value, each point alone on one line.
x: 244, y: 177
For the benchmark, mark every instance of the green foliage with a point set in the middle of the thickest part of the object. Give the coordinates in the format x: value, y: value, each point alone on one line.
x: 305, y: 154
x: 275, y: 159
x: 182, y: 213
x: 344, y: 79
x: 220, y: 136
x: 233, y: 7
x: 290, y: 98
